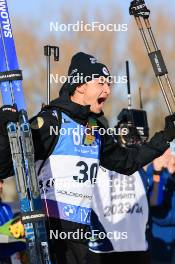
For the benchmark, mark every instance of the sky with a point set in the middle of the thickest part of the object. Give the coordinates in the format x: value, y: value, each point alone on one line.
x: 39, y: 9
x: 46, y: 11
x: 33, y: 6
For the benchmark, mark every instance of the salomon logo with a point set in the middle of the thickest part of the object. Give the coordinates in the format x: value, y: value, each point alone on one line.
x: 5, y: 21
x: 31, y: 217
x: 10, y: 75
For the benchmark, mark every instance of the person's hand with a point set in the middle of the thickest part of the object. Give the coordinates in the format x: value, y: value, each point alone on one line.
x: 170, y: 121
x: 161, y: 162
x: 171, y: 164
x: 8, y: 113
x: 170, y: 127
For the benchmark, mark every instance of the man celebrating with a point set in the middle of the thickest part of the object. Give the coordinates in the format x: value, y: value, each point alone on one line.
x: 67, y: 163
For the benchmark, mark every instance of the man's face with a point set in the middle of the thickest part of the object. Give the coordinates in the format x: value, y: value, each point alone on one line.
x: 95, y: 94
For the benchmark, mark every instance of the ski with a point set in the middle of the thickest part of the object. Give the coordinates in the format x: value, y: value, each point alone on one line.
x: 21, y: 145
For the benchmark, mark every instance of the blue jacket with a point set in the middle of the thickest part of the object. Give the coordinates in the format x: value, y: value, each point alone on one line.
x: 8, y: 249
x: 162, y: 217
x: 5, y: 213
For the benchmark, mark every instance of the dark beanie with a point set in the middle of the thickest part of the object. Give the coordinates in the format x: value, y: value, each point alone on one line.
x: 83, y: 68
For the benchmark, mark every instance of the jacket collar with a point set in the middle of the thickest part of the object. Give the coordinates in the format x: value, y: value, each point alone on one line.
x: 73, y: 109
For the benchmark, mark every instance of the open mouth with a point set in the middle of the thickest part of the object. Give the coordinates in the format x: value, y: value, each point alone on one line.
x: 101, y: 100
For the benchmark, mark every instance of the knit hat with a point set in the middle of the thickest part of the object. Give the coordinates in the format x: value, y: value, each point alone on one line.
x: 83, y: 68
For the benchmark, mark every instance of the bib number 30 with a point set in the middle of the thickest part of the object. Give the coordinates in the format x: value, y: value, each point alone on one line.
x: 86, y: 172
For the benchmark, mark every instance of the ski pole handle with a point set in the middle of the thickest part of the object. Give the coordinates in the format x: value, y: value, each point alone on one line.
x: 138, y: 8
x: 48, y: 52
x: 56, y: 53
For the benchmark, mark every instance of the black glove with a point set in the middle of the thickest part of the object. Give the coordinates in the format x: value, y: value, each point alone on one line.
x: 138, y: 8
x: 8, y: 113
x: 131, y: 139
x: 170, y: 127
x: 170, y: 121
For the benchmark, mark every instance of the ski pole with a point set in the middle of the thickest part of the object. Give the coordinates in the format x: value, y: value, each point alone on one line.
x: 140, y: 11
x: 128, y: 85
x: 48, y: 52
x: 140, y: 98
